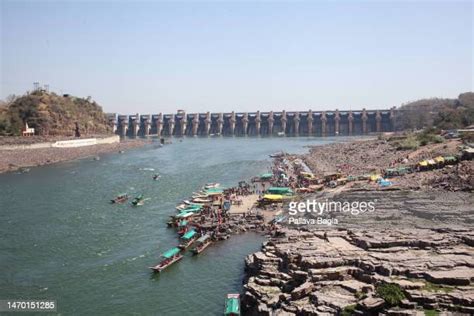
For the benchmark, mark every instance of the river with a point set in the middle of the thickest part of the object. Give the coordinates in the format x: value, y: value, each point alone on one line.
x: 62, y: 240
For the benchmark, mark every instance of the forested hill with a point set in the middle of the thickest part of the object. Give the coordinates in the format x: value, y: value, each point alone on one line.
x: 441, y: 113
x: 52, y: 114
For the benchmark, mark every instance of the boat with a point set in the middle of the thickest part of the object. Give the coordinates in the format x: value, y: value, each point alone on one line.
x: 188, y: 238
x: 201, y: 200
x: 195, y: 208
x: 199, y: 195
x: 169, y: 257
x: 277, y: 155
x: 191, y: 203
x: 232, y: 305
x: 121, y: 198
x: 137, y: 201
x: 281, y: 133
x: 211, y: 185
x: 202, y: 243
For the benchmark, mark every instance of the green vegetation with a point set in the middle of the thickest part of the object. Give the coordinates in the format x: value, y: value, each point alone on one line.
x: 391, y: 293
x: 442, y: 113
x: 360, y: 295
x: 413, y: 141
x: 51, y: 114
x: 431, y: 312
x: 409, y: 143
x: 348, y: 310
x: 431, y: 287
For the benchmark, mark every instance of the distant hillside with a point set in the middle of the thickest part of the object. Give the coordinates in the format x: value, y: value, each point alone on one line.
x: 51, y: 114
x: 441, y: 113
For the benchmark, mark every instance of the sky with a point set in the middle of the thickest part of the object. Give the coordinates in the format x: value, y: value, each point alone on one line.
x: 155, y: 56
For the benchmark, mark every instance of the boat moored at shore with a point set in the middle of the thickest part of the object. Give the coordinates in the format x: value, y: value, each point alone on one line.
x: 201, y: 244
x: 232, y: 305
x: 188, y: 239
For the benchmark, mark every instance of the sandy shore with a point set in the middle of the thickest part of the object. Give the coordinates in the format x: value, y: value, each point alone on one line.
x: 12, y: 160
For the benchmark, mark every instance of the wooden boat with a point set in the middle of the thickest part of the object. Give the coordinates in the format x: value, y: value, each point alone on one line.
x: 202, y: 243
x: 277, y: 155
x: 188, y: 238
x: 121, y: 198
x: 211, y: 185
x: 169, y: 257
x: 192, y: 203
x: 200, y: 200
x: 232, y: 305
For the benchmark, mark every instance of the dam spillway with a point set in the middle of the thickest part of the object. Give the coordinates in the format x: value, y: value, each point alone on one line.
x: 304, y: 123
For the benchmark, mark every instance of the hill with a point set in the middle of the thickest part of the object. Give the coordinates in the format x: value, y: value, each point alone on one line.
x: 435, y: 112
x: 52, y: 114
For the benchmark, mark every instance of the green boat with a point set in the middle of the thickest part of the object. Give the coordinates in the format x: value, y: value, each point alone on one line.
x: 169, y: 257
x: 138, y: 200
x: 232, y: 305
x: 188, y: 238
x: 281, y: 191
x: 266, y: 176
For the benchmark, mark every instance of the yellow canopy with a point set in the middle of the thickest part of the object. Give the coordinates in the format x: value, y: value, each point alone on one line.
x: 423, y: 163
x: 273, y: 197
x: 307, y: 174
x: 439, y: 159
x: 375, y: 177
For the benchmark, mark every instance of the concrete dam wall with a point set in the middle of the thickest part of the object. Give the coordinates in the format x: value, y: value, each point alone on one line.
x: 309, y: 123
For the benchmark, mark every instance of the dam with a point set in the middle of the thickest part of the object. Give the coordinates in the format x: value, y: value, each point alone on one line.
x: 304, y: 123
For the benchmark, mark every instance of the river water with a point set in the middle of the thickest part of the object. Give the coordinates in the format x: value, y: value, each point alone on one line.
x: 62, y: 240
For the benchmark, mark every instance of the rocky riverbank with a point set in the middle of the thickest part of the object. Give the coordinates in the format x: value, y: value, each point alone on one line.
x: 413, y: 255
x: 400, y: 272
x: 21, y: 159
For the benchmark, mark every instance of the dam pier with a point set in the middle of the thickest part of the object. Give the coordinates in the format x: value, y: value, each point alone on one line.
x: 304, y: 123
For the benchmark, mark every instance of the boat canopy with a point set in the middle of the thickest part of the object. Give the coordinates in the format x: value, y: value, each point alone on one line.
x: 439, y: 159
x: 171, y: 253
x: 184, y: 214
x: 273, y: 197
x: 375, y: 177
x: 266, y: 176
x: 277, y: 190
x: 203, y: 238
x: 232, y: 306
x: 431, y: 162
x: 183, y: 223
x: 214, y: 191
x: 190, y: 234
x: 193, y: 207
x: 423, y: 163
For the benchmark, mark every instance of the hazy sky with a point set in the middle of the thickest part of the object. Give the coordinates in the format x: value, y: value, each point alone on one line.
x: 151, y: 57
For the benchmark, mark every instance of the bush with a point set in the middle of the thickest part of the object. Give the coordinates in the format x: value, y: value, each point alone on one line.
x: 409, y: 143
x: 348, y: 310
x: 431, y: 312
x: 391, y: 293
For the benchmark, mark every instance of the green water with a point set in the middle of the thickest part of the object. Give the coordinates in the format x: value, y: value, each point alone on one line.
x: 62, y: 240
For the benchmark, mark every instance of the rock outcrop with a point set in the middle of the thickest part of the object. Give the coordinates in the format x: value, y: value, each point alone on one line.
x: 302, y: 273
